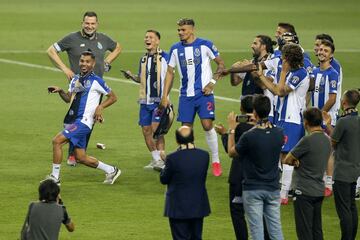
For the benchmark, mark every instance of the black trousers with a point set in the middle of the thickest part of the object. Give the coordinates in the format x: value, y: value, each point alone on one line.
x: 186, y: 229
x: 344, y: 195
x: 307, y: 212
x: 237, y: 214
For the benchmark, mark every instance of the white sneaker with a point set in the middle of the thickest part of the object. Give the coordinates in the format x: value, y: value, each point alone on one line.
x: 110, y: 178
x: 159, y: 165
x: 150, y: 166
x: 54, y: 179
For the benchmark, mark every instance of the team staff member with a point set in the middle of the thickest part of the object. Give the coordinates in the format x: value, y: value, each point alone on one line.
x: 192, y: 56
x: 83, y: 95
x: 187, y: 201
x: 74, y: 44
x: 310, y: 157
x: 152, y: 71
x: 345, y: 139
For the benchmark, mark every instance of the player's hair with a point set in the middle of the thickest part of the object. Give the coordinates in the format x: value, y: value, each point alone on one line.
x: 313, y: 116
x: 324, y: 36
x: 261, y: 105
x: 90, y: 14
x: 288, y: 27
x: 48, y: 191
x: 266, y: 40
x: 352, y: 97
x: 293, y: 54
x: 186, y: 21
x: 247, y: 103
x: 88, y: 53
x: 155, y: 32
x: 180, y: 139
x: 328, y: 44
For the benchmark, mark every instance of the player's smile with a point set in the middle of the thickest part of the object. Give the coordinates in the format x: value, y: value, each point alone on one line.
x: 86, y: 64
x: 90, y: 25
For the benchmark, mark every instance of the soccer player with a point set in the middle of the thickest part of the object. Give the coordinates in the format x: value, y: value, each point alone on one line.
x: 336, y: 65
x: 292, y: 88
x: 77, y: 42
x: 151, y: 75
x: 192, y: 56
x: 84, y: 95
x: 262, y: 47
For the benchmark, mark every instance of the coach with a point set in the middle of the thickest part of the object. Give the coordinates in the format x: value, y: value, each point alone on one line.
x: 345, y: 138
x: 187, y: 200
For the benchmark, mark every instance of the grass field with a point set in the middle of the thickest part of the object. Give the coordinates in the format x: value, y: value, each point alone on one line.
x: 133, y: 207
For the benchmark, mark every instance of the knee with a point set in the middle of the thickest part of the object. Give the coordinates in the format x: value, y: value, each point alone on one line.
x: 56, y: 141
x: 207, y: 126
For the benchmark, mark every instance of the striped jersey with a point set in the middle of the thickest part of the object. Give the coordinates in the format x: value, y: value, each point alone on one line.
x: 326, y: 82
x: 151, y: 78
x: 193, y: 63
x: 292, y: 105
x: 87, y: 91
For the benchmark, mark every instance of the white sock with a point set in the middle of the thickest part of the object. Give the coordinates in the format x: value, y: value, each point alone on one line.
x: 286, y: 180
x: 155, y: 155
x: 212, y: 141
x: 105, y: 167
x: 358, y: 183
x: 328, y: 181
x: 56, y: 170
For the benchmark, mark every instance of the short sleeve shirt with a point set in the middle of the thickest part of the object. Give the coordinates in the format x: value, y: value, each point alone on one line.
x: 75, y: 43
x: 313, y: 152
x: 347, y: 150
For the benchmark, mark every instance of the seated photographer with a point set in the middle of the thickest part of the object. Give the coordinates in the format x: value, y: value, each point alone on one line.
x: 44, y: 218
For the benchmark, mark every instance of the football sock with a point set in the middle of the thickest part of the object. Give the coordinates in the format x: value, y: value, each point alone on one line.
x: 286, y: 180
x: 105, y: 167
x: 212, y: 141
x: 155, y: 155
x: 328, y: 181
x: 56, y: 170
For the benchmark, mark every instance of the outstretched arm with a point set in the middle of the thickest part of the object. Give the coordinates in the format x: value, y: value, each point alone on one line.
x: 65, y: 96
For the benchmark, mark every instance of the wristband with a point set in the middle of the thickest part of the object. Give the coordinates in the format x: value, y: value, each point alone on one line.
x: 231, y: 131
x: 213, y: 81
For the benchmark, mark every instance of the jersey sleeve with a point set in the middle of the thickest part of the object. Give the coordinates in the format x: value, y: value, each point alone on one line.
x: 296, y: 79
x: 172, y: 57
x: 65, y: 43
x: 212, y: 49
x: 101, y: 86
x: 333, y: 82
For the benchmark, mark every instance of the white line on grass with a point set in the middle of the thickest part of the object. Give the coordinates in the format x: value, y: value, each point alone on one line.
x: 14, y: 51
x: 121, y: 80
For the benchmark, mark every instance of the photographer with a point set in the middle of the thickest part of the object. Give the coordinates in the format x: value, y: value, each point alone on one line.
x: 44, y: 218
x: 236, y: 172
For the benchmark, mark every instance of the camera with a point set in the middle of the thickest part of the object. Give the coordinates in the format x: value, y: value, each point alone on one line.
x: 242, y: 118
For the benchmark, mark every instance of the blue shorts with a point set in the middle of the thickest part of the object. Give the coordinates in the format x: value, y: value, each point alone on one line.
x: 148, y: 114
x: 77, y: 134
x: 203, y: 105
x: 293, y: 133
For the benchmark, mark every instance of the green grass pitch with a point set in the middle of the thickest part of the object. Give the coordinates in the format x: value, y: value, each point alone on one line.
x: 133, y: 207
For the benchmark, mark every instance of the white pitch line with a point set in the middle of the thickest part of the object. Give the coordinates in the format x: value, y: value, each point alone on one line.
x: 14, y: 51
x: 121, y: 80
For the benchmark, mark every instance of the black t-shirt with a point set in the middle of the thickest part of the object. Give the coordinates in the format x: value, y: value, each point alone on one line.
x: 260, y: 150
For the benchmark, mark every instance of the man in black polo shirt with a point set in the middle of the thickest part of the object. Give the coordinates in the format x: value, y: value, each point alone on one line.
x: 309, y: 157
x: 345, y: 138
x: 260, y: 149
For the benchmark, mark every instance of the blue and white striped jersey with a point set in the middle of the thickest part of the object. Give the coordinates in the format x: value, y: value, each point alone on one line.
x: 88, y: 91
x: 292, y: 105
x: 326, y: 82
x: 193, y: 62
